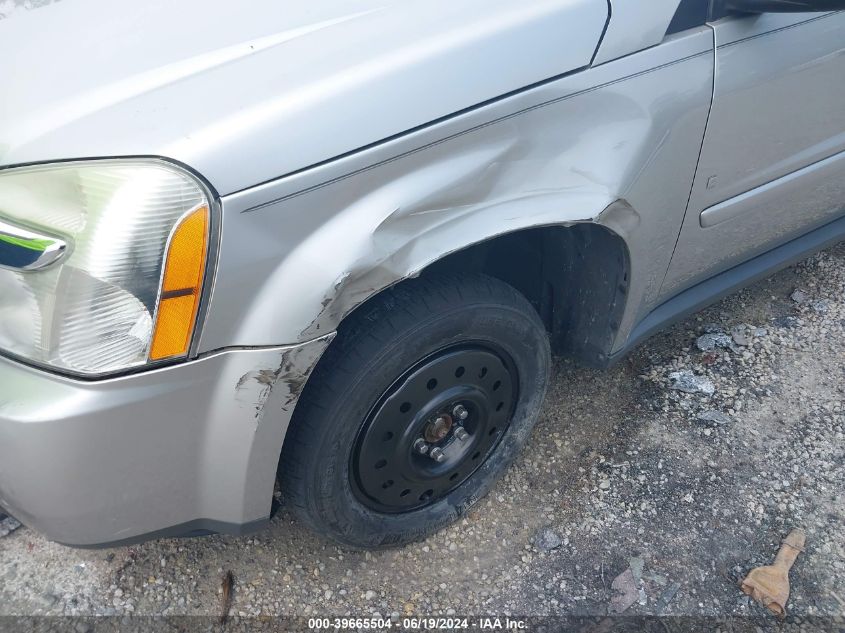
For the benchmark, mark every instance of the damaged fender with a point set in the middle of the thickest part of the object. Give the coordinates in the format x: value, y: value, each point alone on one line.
x: 611, y: 145
x: 255, y: 387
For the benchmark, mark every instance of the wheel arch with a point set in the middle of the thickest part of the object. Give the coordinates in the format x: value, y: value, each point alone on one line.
x: 577, y: 277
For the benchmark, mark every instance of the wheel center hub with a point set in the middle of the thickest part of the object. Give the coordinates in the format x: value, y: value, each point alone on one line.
x: 438, y: 429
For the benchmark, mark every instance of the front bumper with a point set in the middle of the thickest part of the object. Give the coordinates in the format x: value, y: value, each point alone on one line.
x: 188, y: 448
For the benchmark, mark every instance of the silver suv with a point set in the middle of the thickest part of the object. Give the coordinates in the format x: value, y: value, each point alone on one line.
x: 333, y: 244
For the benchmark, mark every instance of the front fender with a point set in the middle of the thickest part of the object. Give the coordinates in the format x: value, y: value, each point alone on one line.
x: 388, y: 233
x: 300, y: 253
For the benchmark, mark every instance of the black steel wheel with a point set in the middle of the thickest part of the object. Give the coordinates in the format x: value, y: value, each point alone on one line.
x: 433, y: 428
x: 418, y: 406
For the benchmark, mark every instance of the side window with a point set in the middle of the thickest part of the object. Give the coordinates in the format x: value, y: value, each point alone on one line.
x: 690, y: 14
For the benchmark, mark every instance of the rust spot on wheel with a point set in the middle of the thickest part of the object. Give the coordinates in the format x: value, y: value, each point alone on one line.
x: 438, y: 429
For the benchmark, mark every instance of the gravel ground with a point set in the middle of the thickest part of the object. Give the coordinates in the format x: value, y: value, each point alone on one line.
x: 625, y: 471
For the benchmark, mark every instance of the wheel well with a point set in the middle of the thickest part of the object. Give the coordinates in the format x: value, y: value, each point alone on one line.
x: 576, y: 277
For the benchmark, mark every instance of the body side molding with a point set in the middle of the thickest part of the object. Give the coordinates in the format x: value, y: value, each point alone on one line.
x: 761, y: 196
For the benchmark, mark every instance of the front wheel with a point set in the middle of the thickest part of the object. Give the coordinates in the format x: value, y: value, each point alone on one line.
x: 418, y: 406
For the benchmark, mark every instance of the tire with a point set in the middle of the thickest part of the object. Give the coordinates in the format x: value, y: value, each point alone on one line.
x: 484, y: 347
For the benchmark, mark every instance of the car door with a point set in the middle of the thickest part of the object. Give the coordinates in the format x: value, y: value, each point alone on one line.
x: 772, y: 163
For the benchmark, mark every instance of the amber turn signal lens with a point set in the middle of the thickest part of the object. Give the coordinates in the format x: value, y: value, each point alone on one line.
x: 181, y: 286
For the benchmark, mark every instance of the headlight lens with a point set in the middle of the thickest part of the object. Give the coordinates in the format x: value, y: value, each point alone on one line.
x: 135, y: 238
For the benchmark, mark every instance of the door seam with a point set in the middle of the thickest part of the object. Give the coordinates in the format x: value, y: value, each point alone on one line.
x: 697, y: 165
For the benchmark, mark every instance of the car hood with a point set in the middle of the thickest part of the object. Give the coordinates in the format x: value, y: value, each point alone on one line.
x: 248, y: 92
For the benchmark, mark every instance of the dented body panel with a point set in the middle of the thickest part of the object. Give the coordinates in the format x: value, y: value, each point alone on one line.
x: 559, y: 154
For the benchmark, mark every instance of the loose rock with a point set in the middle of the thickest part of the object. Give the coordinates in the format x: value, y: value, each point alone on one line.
x: 547, y: 540
x: 822, y: 306
x: 711, y: 340
x: 742, y: 335
x: 799, y: 296
x: 8, y: 525
x: 716, y: 417
x: 688, y: 382
x: 625, y: 592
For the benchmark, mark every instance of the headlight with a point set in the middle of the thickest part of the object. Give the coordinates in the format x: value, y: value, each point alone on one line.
x: 101, y: 263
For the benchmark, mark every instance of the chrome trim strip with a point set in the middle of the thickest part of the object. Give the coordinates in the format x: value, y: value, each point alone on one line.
x: 26, y: 251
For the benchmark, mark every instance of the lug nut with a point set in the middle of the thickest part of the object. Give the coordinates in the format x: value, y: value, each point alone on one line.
x: 460, y: 412
x: 437, y: 454
x: 421, y: 446
x: 461, y: 434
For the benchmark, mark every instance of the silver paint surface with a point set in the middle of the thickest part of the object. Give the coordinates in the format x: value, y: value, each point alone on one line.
x: 634, y: 26
x: 94, y: 462
x: 246, y: 96
x: 762, y: 199
x: 778, y: 107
